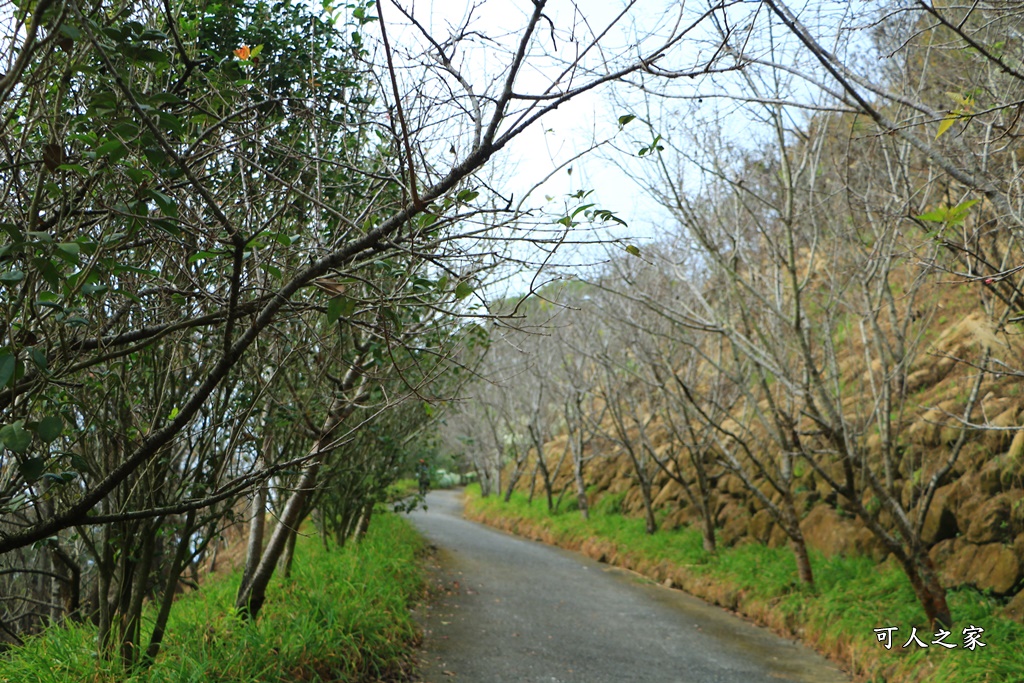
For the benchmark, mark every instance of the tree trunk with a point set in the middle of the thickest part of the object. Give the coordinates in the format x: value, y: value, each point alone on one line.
x: 927, y: 588
x: 131, y: 619
x: 707, y: 526
x: 252, y: 595
x: 73, y: 584
x: 105, y: 579
x: 170, y: 586
x: 510, y: 487
x: 581, y: 488
x: 542, y: 467
x: 364, y: 520
x: 257, y: 526
x: 704, y: 503
x: 651, y: 523
x: 284, y: 565
x: 483, y: 476
x: 56, y: 581
x: 797, y: 543
x: 533, y: 485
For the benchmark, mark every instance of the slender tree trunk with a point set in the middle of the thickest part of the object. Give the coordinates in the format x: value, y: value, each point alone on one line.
x: 257, y: 526
x: 939, y: 614
x: 581, y: 488
x: 74, y: 582
x: 484, y: 477
x: 131, y: 624
x: 533, y: 485
x: 170, y: 586
x: 542, y: 467
x: 549, y: 481
x: 510, y: 487
x: 497, y: 478
x: 284, y: 565
x: 364, y: 520
x: 708, y: 528
x: 56, y: 590
x: 104, y: 581
x: 651, y: 523
x: 927, y: 588
x: 797, y: 542
x: 253, y: 594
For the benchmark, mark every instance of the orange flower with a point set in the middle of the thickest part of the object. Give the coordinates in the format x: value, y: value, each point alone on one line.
x: 243, y: 53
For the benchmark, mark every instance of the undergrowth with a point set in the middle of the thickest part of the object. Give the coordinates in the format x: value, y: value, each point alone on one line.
x: 342, y: 616
x: 852, y: 597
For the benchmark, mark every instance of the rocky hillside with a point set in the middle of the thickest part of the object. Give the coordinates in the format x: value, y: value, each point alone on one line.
x: 974, y: 527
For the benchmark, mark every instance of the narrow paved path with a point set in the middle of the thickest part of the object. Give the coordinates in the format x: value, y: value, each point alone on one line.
x: 516, y: 611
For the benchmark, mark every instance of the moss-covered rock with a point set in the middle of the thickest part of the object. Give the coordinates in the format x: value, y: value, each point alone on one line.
x: 991, y: 521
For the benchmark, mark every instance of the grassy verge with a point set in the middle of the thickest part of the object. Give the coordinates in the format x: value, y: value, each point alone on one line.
x: 342, y: 616
x: 853, y: 596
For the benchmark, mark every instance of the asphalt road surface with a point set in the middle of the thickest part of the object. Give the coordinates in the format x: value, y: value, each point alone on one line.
x: 517, y: 611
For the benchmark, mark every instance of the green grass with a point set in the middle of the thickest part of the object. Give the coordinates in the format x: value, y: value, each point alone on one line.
x: 342, y: 616
x: 853, y: 596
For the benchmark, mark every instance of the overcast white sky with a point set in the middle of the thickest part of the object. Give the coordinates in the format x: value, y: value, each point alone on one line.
x: 575, y: 126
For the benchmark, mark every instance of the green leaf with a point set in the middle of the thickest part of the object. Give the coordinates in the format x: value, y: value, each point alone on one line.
x: 167, y: 205
x: 624, y: 119
x: 167, y: 226
x: 7, y: 365
x: 155, y: 155
x: 949, y: 214
x: 463, y: 289
x: 152, y: 34
x: 632, y: 249
x: 165, y: 98
x: 50, y: 427
x: 138, y: 175
x: 93, y: 289
x: 935, y: 215
x: 466, y: 196
x: 16, y: 437
x: 39, y: 358
x: 115, y: 149
x: 32, y: 468
x: 580, y: 210
x: 339, y: 306
x: 70, y: 31
x: 12, y: 276
x: 69, y: 252
x: 202, y: 255
x: 946, y: 123
x: 75, y: 168
x: 48, y: 270
x: 959, y: 212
